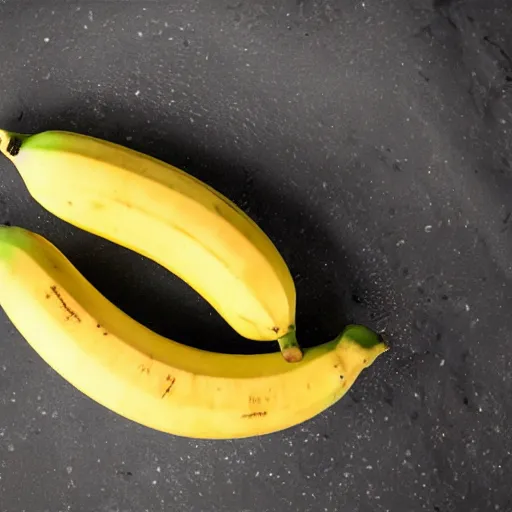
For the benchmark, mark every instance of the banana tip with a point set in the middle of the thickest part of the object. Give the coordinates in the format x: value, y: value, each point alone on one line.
x: 290, y: 349
x: 292, y: 354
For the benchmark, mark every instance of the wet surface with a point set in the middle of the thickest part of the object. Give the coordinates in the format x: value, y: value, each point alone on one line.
x: 372, y: 142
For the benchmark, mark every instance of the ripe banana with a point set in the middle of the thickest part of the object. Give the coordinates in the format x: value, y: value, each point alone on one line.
x: 169, y: 216
x: 155, y: 381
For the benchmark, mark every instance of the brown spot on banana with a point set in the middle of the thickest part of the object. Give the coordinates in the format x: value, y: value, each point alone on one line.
x: 71, y: 313
x: 255, y: 415
x: 171, y: 380
x: 144, y: 369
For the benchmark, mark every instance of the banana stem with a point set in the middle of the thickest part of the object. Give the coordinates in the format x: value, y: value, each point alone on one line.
x: 10, y: 143
x: 290, y: 347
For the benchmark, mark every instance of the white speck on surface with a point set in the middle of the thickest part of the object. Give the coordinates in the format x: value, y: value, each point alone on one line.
x: 46, y: 39
x: 467, y: 307
x: 129, y: 137
x: 400, y: 242
x: 428, y: 228
x: 257, y: 473
x: 55, y: 414
x: 442, y: 362
x: 140, y: 34
x: 43, y: 413
x: 407, y: 453
x: 90, y: 16
x: 137, y: 92
x: 10, y: 447
x: 158, y: 469
x: 85, y: 27
x: 154, y: 482
x: 416, y: 395
x: 69, y: 470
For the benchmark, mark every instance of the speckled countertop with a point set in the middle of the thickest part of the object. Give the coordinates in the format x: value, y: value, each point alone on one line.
x: 372, y: 141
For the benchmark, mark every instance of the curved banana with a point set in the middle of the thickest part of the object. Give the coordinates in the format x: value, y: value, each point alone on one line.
x: 155, y: 381
x: 167, y: 215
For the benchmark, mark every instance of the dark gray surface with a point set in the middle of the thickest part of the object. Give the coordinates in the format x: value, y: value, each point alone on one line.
x: 371, y: 140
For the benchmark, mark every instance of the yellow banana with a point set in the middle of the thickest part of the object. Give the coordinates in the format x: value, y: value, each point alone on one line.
x: 155, y: 381
x: 167, y: 215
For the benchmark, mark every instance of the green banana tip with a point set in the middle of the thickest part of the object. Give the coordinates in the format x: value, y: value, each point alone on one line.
x: 364, y: 337
x: 290, y: 348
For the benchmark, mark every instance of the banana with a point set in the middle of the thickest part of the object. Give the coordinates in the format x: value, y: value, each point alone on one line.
x: 152, y: 380
x: 169, y: 216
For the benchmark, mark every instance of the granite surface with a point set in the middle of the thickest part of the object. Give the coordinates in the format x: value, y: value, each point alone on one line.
x: 373, y: 142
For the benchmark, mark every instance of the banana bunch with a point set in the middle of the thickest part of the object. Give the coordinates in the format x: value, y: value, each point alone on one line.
x: 192, y: 230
